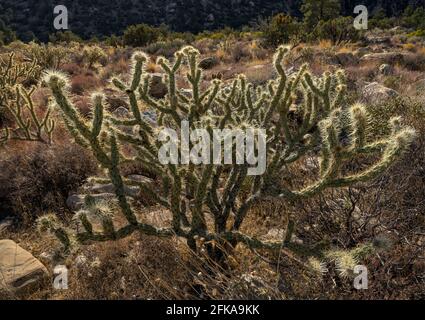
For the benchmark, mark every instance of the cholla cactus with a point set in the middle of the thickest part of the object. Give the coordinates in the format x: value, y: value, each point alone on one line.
x: 50, y: 223
x: 35, y: 127
x: 93, y: 55
x: 16, y: 99
x: 192, y: 192
x: 48, y: 56
x: 12, y: 73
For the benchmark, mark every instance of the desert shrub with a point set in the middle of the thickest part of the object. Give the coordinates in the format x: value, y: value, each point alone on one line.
x: 165, y: 48
x: 48, y: 56
x: 94, y: 54
x: 417, y: 34
x: 72, y: 69
x: 6, y: 34
x: 141, y: 35
x: 414, y: 61
x: 280, y: 29
x: 257, y: 51
x: 239, y: 51
x: 113, y: 68
x: 84, y: 82
x: 315, y: 11
x: 37, y: 178
x: 337, y: 30
x: 414, y: 18
x: 64, y: 37
x: 114, y: 41
x: 381, y: 21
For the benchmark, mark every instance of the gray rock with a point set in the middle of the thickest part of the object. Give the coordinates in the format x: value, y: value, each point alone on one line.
x: 385, y: 69
x: 121, y: 112
x: 76, y: 202
x: 360, y: 52
x: 96, y: 189
x: 375, y: 93
x: 372, y: 39
x: 150, y: 116
x: 208, y: 63
x: 186, y: 92
x: 346, y: 58
x: 139, y: 178
x: 384, y: 57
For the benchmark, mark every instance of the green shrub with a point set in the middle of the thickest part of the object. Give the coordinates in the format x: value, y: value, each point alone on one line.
x: 6, y: 34
x: 280, y: 29
x: 141, y: 35
x: 64, y: 37
x: 165, y: 48
x: 337, y: 30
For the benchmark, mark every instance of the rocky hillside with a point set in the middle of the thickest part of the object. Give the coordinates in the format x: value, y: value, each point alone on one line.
x: 105, y: 17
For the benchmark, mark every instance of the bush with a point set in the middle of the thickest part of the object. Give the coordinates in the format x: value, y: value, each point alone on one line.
x: 280, y: 29
x: 93, y: 55
x: 64, y: 37
x: 165, y: 48
x: 337, y: 30
x: 84, y: 82
x: 36, y: 178
x: 6, y: 34
x: 141, y: 35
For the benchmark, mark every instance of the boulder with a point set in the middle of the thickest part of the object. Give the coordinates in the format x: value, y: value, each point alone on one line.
x: 346, y: 58
x: 384, y: 57
x: 208, y: 63
x: 372, y: 39
x: 76, y: 202
x: 121, y: 112
x: 360, y: 52
x: 21, y: 273
x: 385, y: 69
x: 375, y: 93
x: 130, y: 191
x: 151, y: 117
x: 140, y: 179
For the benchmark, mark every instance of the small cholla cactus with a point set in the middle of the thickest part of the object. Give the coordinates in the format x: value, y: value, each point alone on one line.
x: 50, y: 223
x: 13, y: 73
x: 209, y: 201
x: 93, y: 55
x: 48, y: 56
x: 17, y: 100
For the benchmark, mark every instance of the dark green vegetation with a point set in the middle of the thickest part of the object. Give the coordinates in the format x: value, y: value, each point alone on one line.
x: 100, y: 18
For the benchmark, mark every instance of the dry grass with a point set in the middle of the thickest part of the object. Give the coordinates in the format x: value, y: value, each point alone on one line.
x: 84, y: 83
